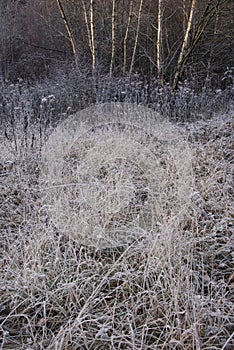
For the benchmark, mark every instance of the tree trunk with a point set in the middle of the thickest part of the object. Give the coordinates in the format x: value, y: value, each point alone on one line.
x: 136, y: 37
x: 93, y: 49
x: 87, y: 25
x: 206, y: 17
x: 159, y: 44
x: 69, y: 32
x: 113, y: 23
x: 126, y: 37
x: 184, y: 47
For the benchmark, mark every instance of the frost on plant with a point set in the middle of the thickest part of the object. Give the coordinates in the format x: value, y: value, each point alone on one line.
x: 113, y: 173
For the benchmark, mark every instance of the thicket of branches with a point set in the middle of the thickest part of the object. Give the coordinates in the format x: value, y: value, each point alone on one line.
x: 168, y: 40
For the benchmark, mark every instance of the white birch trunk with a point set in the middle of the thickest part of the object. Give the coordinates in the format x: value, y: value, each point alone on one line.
x: 159, y: 43
x: 113, y: 20
x: 69, y: 32
x: 87, y: 25
x: 184, y: 46
x: 126, y: 37
x: 93, y: 49
x: 136, y: 37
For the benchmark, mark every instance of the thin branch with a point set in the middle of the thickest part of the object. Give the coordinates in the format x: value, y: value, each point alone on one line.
x: 41, y: 47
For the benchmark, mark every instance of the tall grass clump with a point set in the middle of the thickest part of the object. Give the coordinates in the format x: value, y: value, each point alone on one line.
x: 112, y: 170
x: 168, y: 284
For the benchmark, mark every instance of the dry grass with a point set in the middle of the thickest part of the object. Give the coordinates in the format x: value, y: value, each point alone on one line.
x: 168, y: 288
x: 110, y: 171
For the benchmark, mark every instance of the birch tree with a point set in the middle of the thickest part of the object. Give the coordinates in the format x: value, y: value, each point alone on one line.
x: 113, y: 24
x: 93, y: 49
x: 136, y: 37
x: 86, y: 19
x: 199, y: 28
x: 184, y: 47
x: 126, y: 36
x: 205, y: 18
x: 69, y: 31
x: 159, y: 43
x: 90, y: 28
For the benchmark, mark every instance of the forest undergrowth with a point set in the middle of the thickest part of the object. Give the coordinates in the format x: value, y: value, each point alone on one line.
x: 170, y: 289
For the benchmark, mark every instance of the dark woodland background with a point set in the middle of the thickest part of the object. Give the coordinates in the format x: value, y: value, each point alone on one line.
x: 85, y: 51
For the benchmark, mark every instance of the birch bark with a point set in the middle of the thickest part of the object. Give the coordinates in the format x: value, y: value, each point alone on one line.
x: 159, y: 43
x: 113, y: 22
x: 184, y: 46
x: 126, y: 37
x: 92, y: 37
x: 69, y: 32
x: 136, y: 37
